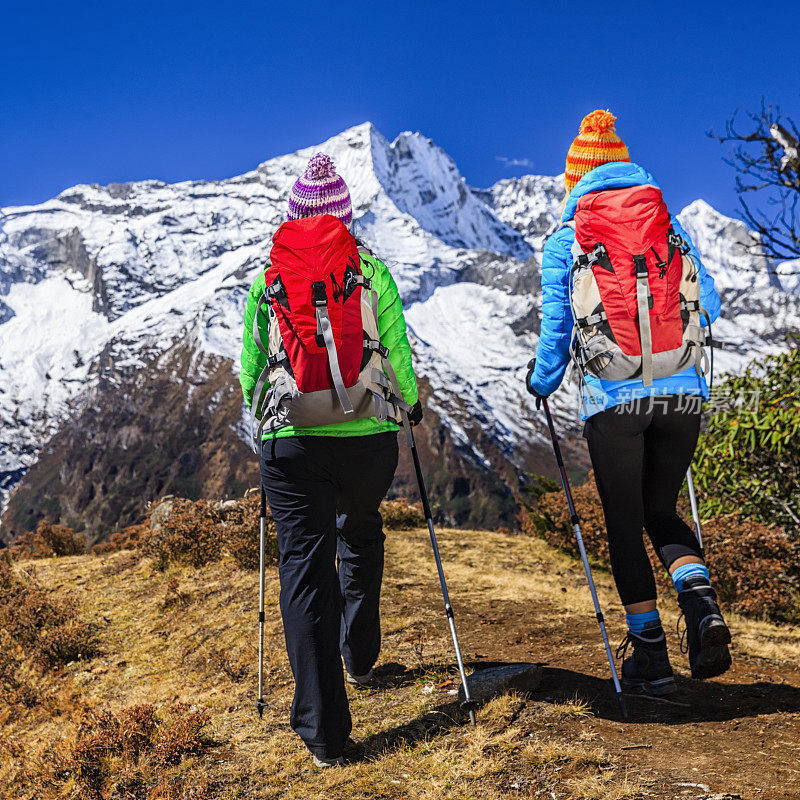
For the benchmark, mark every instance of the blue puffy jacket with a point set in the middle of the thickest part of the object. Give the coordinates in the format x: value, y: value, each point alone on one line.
x: 552, y: 353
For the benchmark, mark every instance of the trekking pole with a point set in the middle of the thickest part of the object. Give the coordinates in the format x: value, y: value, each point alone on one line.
x: 262, y: 525
x: 587, y: 569
x: 695, y: 512
x: 468, y: 703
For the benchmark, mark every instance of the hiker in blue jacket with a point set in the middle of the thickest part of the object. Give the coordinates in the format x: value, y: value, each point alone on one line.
x: 641, y: 438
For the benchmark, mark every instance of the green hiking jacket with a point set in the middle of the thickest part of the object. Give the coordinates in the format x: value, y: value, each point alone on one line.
x: 392, y: 328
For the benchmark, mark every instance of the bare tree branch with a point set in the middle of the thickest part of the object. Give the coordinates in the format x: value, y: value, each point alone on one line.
x: 766, y: 157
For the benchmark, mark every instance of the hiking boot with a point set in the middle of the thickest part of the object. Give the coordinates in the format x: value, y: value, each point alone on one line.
x: 359, y: 680
x: 707, y: 636
x: 648, y: 667
x: 324, y: 763
x: 353, y: 751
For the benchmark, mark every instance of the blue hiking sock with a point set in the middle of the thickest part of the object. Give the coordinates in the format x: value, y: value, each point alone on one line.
x: 638, y: 623
x: 689, y: 571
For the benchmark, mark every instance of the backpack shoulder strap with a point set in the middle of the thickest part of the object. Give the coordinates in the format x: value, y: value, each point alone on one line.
x: 325, y: 328
x: 576, y: 250
x: 643, y: 307
x: 276, y: 290
x: 367, y: 284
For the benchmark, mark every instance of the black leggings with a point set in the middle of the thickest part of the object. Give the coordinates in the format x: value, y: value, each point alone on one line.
x: 640, y: 453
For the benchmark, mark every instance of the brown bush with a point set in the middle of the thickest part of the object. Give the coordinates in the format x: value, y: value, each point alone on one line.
x: 198, y: 532
x: 49, y: 632
x: 47, y: 541
x: 37, y: 632
x: 72, y: 640
x: 240, y: 531
x: 180, y: 734
x: 550, y: 520
x: 190, y: 534
x: 173, y: 596
x: 128, y: 538
x: 754, y: 568
x: 224, y: 662
x: 126, y: 754
x: 25, y: 608
x: 15, y: 689
x: 401, y: 514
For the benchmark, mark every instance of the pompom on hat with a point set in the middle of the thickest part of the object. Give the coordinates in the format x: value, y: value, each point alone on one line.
x: 597, y: 143
x: 320, y: 190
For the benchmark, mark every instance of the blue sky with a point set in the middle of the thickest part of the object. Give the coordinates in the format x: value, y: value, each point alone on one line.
x: 100, y: 92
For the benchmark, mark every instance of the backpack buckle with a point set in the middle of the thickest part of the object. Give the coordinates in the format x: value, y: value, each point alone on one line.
x: 675, y: 240
x: 640, y: 267
x: 319, y: 294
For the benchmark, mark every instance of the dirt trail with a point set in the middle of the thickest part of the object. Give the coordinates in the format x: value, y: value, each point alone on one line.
x: 735, y: 736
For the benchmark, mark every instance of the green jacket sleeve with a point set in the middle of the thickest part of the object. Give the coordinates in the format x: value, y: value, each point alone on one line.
x: 253, y: 360
x: 392, y: 328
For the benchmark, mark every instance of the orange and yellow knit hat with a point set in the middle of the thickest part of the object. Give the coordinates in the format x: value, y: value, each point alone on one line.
x: 596, y: 144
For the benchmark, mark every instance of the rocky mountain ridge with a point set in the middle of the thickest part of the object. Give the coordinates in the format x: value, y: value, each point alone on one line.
x: 121, y: 305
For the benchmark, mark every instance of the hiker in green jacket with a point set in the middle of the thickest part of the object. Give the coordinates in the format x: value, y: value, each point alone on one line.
x: 324, y: 483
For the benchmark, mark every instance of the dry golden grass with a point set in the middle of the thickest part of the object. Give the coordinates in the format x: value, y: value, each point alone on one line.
x: 607, y: 786
x: 188, y: 635
x: 564, y: 754
x: 572, y: 709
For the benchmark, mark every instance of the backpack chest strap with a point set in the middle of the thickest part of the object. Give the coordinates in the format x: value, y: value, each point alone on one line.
x: 375, y: 346
x: 591, y: 320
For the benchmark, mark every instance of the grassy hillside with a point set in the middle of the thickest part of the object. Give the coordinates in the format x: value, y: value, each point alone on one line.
x: 163, y: 707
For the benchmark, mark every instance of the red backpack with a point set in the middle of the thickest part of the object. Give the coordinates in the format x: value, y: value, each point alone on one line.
x: 634, y: 289
x: 325, y: 362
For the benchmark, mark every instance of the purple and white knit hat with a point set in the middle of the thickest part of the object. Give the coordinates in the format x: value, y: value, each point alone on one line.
x: 320, y: 190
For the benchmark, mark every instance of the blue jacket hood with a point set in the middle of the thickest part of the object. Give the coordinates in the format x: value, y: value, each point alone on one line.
x: 614, y: 175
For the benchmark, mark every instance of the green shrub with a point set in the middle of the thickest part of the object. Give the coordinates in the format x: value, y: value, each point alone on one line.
x: 748, y: 460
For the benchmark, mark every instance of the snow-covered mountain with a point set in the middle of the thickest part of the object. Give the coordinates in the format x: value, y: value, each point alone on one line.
x: 98, y: 284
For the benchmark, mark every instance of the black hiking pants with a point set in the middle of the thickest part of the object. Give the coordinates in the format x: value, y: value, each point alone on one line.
x: 324, y: 494
x: 640, y: 452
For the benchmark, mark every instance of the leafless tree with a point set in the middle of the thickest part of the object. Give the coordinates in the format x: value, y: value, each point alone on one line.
x: 766, y: 157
